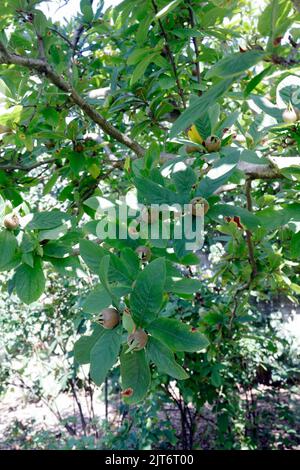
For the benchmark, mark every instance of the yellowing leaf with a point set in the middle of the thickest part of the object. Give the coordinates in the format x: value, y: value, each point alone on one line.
x: 94, y: 170
x: 11, y: 116
x: 194, y: 135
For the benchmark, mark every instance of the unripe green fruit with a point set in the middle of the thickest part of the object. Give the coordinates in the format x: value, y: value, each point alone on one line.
x: 109, y: 318
x: 212, y: 143
x: 11, y: 221
x: 143, y: 252
x: 201, y: 202
x: 137, y: 340
x: 289, y: 116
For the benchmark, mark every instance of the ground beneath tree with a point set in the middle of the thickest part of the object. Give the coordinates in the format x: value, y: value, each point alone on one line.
x: 26, y: 422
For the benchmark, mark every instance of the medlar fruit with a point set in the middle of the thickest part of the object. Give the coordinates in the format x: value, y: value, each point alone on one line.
x: 109, y: 318
x: 212, y: 143
x: 191, y: 149
x: 143, y: 252
x: 11, y: 221
x: 137, y: 340
x: 289, y: 115
x: 199, y: 201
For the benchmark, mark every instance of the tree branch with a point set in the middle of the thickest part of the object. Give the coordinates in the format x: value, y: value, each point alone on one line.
x: 43, y: 68
x: 194, y: 39
x: 254, y: 171
x: 170, y: 55
x: 16, y: 166
x: 248, y: 233
x: 62, y: 36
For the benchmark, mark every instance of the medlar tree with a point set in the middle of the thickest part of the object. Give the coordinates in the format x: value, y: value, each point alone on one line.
x: 175, y: 102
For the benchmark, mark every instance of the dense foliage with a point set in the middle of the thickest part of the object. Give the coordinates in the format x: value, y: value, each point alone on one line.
x: 161, y: 102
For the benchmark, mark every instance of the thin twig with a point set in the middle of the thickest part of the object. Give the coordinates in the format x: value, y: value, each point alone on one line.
x: 62, y: 36
x: 170, y: 55
x: 194, y: 39
x: 16, y: 166
x: 248, y: 233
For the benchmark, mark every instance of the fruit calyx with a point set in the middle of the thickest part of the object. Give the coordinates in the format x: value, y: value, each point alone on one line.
x: 197, y: 203
x: 137, y: 340
x: 109, y: 318
x: 212, y: 143
x: 143, y: 252
x: 11, y: 221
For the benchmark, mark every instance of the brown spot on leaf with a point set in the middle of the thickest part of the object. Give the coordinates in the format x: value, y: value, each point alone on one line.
x: 236, y: 220
x: 128, y: 392
x: 277, y: 41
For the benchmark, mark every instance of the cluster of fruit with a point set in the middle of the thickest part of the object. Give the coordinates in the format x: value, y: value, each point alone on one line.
x: 109, y: 318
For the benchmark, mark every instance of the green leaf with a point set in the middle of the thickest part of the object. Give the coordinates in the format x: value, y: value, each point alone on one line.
x: 8, y: 246
x: 143, y: 29
x: 155, y: 193
x: 272, y: 218
x: 183, y: 286
x: 167, y: 9
x: 274, y: 21
x: 235, y: 64
x: 104, y: 354
x: 77, y: 161
x: 103, y: 275
x: 222, y: 170
x: 257, y: 79
x: 40, y: 22
x: 54, y: 233
x: 68, y: 266
x: 97, y: 300
x: 30, y: 281
x: 177, y: 336
x: 50, y: 183
x: 91, y: 254
x: 135, y: 374
x: 11, y: 116
x: 184, y: 180
x: 219, y: 211
x: 140, y: 69
x: 199, y: 106
x: 164, y: 359
x: 216, y: 379
x: 152, y: 155
x: 47, y: 220
x: 295, y: 288
x: 147, y: 295
x: 86, y: 10
x: 267, y: 106
x: 83, y: 346
x: 56, y: 250
x: 131, y: 261
x: 295, y: 245
x: 27, y: 258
